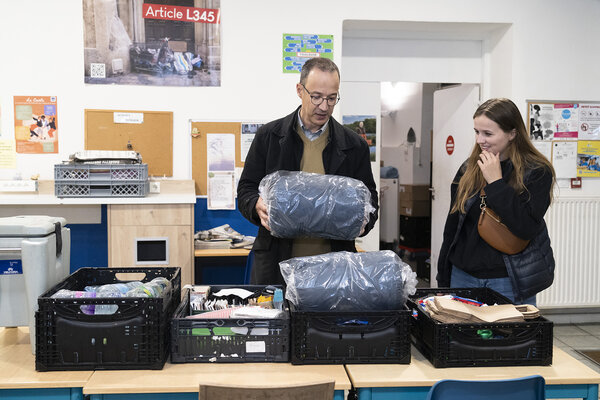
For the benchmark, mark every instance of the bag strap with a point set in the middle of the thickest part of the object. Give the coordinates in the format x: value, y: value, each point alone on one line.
x: 483, y: 196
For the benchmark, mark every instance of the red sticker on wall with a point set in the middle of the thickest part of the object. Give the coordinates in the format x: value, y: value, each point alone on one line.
x: 450, y: 145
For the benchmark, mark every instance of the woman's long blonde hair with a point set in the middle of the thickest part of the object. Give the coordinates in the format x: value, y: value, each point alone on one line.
x: 520, y: 151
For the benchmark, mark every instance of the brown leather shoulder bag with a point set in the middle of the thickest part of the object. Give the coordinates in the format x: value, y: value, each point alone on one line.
x: 495, y: 233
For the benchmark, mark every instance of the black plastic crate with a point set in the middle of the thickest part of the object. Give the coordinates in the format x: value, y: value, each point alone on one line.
x: 216, y: 340
x: 136, y: 336
x: 379, y: 337
x: 461, y: 345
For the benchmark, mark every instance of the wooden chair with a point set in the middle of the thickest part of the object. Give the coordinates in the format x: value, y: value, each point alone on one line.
x: 313, y: 391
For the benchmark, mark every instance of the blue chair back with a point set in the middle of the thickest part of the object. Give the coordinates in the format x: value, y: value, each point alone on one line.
x: 248, y: 269
x: 527, y: 388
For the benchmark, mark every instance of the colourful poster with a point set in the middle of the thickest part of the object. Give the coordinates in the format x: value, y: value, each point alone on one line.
x: 36, y: 124
x: 566, y: 116
x: 159, y: 43
x: 588, y: 158
x: 298, y: 48
x: 365, y: 126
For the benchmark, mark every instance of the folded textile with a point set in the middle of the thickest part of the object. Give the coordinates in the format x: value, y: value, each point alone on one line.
x: 447, y: 310
x: 302, y: 204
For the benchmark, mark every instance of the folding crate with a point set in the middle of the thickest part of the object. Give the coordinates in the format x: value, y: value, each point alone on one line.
x: 136, y: 336
x: 100, y: 180
x: 228, y: 339
x: 335, y: 337
x: 465, y: 345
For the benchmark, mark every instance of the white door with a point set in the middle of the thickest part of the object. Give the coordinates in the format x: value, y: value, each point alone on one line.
x: 453, y: 140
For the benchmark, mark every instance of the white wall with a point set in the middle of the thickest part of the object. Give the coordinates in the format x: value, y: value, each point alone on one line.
x: 42, y: 54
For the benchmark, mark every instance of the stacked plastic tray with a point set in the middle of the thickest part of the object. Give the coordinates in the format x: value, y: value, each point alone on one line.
x: 332, y: 337
x: 480, y: 344
x: 228, y: 339
x: 100, y: 180
x: 136, y: 336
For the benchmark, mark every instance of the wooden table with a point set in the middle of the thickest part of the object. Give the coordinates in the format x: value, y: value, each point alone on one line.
x: 221, y: 252
x: 565, y: 378
x: 182, y: 381
x: 19, y: 379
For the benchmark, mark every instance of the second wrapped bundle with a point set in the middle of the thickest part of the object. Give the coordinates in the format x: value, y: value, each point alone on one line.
x: 303, y: 204
x: 345, y: 281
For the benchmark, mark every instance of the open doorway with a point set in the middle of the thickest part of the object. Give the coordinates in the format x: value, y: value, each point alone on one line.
x: 426, y: 133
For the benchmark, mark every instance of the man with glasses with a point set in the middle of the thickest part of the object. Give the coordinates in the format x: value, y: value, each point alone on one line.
x: 309, y: 140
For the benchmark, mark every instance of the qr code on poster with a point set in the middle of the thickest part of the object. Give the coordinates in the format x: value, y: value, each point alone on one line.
x: 97, y: 70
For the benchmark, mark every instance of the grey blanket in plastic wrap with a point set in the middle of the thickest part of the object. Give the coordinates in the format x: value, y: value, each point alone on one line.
x: 344, y: 281
x: 302, y: 204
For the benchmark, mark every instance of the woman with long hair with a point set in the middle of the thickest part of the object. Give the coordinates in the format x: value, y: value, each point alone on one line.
x: 518, y: 182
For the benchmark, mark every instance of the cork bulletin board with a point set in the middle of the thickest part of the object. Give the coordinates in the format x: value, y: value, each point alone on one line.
x: 198, y: 131
x: 150, y: 133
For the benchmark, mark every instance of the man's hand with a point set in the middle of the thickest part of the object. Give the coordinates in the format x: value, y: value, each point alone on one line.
x: 261, y: 210
x: 489, y: 164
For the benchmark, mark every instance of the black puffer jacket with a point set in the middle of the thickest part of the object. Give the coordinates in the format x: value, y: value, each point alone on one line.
x: 530, y: 271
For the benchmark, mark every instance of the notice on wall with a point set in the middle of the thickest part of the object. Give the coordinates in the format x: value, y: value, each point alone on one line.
x: 8, y: 155
x: 564, y: 158
x: 588, y: 158
x: 220, y: 156
x: 36, y: 124
x: 298, y: 48
x: 543, y: 147
x: 248, y: 131
x: 589, y: 121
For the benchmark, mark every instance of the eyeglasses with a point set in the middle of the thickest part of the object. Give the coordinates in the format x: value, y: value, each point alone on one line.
x: 317, y: 100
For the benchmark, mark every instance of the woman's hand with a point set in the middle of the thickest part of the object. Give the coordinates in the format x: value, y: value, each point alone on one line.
x: 489, y: 164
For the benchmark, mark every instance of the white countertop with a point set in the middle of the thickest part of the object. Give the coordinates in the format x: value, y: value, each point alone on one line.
x: 172, y: 192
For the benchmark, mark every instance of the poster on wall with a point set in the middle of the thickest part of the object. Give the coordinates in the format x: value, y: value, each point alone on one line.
x: 298, y: 48
x: 566, y: 116
x: 588, y: 158
x: 132, y: 42
x: 248, y: 131
x: 36, y: 124
x: 589, y: 121
x: 541, y: 121
x: 365, y: 126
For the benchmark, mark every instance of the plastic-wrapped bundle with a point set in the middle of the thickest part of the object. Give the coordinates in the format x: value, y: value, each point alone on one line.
x: 345, y: 281
x: 303, y: 204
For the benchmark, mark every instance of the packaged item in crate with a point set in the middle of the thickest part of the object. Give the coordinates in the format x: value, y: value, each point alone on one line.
x: 228, y: 330
x: 345, y: 337
x: 345, y: 281
x: 82, y: 324
x: 479, y: 344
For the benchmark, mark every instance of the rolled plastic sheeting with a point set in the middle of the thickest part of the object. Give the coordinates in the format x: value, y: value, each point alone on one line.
x: 302, y: 204
x: 344, y: 281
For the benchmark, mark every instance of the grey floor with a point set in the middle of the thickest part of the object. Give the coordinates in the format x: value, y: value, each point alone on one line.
x: 572, y: 337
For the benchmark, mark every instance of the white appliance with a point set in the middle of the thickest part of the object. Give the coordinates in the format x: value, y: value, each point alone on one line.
x: 34, y: 256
